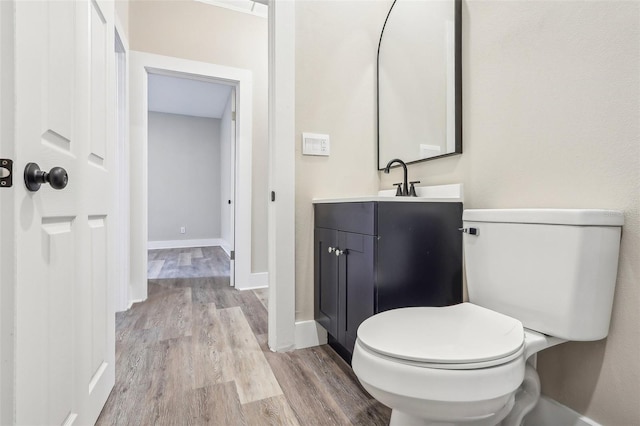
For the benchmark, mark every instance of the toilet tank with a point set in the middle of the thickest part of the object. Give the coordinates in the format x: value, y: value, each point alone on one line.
x: 554, y: 270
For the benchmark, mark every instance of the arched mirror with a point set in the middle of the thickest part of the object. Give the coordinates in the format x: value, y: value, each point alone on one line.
x: 419, y: 81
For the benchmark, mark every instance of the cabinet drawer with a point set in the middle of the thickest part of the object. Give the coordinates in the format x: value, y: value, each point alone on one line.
x: 360, y: 218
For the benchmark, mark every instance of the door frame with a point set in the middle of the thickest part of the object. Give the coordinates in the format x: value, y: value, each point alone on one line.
x: 7, y: 213
x: 142, y: 64
x: 284, y: 335
x: 122, y: 291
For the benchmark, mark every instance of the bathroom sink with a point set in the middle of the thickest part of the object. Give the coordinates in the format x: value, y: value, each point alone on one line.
x: 452, y: 193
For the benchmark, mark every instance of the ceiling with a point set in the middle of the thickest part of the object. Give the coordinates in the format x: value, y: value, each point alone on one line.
x: 176, y: 95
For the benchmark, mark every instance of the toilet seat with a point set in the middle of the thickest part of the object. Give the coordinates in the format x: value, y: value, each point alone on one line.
x: 458, y: 337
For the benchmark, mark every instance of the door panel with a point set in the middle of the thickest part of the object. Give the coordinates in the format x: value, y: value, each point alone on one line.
x: 98, y: 334
x: 99, y: 51
x: 357, y: 266
x: 64, y: 333
x: 47, y: 223
x: 60, y: 57
x: 326, y: 280
x: 57, y: 245
x: 99, y: 294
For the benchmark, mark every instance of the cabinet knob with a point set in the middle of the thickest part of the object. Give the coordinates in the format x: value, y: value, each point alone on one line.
x: 339, y: 252
x: 331, y: 249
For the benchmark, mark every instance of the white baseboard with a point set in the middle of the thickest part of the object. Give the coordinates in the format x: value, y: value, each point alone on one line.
x: 550, y: 412
x: 131, y: 302
x: 260, y: 279
x: 308, y: 334
x: 226, y: 247
x: 207, y: 242
x: 256, y: 280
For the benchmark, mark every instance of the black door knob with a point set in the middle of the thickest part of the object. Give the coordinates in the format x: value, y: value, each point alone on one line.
x: 57, y: 177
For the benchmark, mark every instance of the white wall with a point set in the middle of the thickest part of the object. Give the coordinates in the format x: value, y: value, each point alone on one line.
x: 551, y: 94
x: 200, y: 32
x: 184, y: 177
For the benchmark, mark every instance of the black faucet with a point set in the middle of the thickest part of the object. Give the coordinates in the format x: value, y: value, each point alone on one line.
x: 405, y: 188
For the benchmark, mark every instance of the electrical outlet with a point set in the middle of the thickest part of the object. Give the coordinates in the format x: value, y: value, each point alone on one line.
x: 183, y: 230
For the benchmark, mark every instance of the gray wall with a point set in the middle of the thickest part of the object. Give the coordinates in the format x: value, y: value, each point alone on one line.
x: 184, y: 177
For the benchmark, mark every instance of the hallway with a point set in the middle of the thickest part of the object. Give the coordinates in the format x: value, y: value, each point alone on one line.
x: 195, y: 352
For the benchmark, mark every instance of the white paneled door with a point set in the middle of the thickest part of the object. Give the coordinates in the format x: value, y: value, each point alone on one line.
x: 64, y: 330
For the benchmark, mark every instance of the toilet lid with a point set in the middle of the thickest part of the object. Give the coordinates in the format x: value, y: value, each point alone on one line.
x: 458, y: 334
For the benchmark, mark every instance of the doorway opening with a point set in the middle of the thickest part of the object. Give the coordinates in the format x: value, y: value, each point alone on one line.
x: 152, y: 187
x: 281, y: 178
x: 191, y: 177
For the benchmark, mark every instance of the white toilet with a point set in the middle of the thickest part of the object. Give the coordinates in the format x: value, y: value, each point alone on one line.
x: 535, y: 278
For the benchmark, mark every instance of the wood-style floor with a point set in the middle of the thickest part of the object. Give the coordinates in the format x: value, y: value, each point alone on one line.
x: 195, y: 352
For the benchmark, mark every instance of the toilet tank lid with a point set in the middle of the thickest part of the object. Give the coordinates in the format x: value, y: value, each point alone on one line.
x: 581, y: 217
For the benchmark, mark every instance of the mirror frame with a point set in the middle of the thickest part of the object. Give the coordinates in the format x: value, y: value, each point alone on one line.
x: 457, y: 82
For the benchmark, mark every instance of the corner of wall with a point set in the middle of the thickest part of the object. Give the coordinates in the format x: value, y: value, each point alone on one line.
x: 309, y: 334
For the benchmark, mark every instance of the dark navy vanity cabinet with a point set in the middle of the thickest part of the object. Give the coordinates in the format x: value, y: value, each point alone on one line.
x: 370, y: 257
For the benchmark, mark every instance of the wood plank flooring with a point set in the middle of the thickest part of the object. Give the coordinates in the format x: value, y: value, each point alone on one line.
x: 195, y: 352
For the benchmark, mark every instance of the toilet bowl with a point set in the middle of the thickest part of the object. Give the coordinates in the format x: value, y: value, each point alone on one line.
x: 465, y: 368
x: 536, y: 278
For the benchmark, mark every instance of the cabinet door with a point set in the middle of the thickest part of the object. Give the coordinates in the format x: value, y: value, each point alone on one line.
x: 356, y: 266
x: 419, y: 256
x: 326, y: 280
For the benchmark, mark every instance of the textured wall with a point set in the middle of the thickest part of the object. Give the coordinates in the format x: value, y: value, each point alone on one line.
x: 551, y: 107
x: 205, y: 33
x: 184, y: 177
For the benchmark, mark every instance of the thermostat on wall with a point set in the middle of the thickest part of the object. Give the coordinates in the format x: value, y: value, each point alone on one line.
x: 315, y: 144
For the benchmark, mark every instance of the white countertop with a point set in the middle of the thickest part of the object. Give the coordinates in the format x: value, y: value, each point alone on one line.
x: 450, y: 193
x: 383, y: 198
